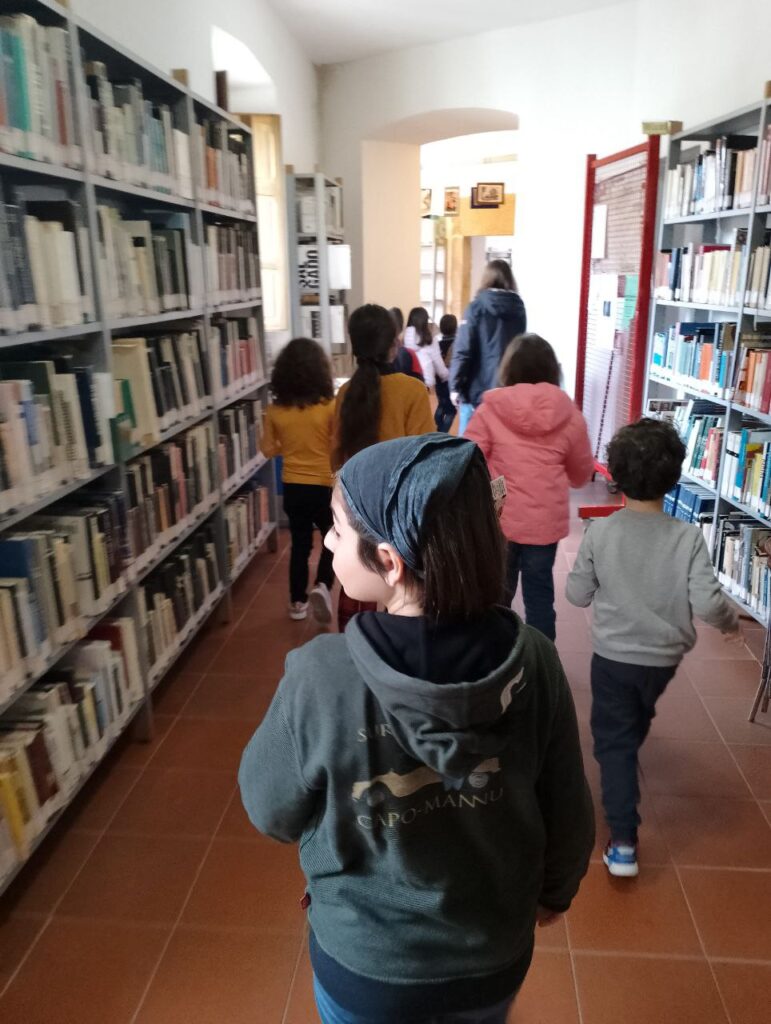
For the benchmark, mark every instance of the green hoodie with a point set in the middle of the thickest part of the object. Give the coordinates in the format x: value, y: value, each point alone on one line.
x: 432, y: 818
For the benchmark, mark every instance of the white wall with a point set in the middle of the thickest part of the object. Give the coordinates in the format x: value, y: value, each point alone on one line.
x: 177, y: 34
x: 578, y: 85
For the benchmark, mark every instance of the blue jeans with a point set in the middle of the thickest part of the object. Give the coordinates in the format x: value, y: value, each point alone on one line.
x: 466, y: 411
x: 623, y: 707
x: 536, y: 563
x: 331, y: 1013
x: 445, y: 410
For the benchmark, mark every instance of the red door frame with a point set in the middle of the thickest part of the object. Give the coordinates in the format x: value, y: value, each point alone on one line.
x: 647, y: 240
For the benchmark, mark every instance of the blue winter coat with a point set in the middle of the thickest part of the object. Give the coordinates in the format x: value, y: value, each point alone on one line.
x: 493, y: 319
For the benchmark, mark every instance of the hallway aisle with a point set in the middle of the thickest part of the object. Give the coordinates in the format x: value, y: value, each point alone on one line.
x: 155, y: 902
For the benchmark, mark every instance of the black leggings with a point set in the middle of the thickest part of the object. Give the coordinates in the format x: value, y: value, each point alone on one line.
x: 306, y: 506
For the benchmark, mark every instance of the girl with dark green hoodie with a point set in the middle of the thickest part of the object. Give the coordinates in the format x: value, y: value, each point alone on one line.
x: 427, y: 760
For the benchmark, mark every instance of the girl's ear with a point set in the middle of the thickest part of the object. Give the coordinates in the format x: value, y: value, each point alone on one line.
x: 392, y: 564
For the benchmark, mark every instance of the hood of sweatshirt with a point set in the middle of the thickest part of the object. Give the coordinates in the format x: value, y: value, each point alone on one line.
x: 499, y: 302
x: 452, y: 727
x: 531, y: 409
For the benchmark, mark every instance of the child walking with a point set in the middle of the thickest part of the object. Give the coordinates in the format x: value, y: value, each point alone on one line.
x: 647, y: 575
x: 444, y: 416
x: 435, y: 783
x: 377, y: 403
x: 298, y: 426
x: 533, y: 434
x: 418, y: 336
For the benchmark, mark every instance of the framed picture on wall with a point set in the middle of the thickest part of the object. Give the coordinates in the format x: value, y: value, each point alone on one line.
x: 487, y: 193
x: 425, y: 202
x: 451, y: 201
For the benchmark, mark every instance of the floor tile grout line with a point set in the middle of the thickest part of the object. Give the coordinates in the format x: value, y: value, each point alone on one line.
x: 573, y: 972
x: 295, y: 972
x: 702, y: 944
x: 182, y: 909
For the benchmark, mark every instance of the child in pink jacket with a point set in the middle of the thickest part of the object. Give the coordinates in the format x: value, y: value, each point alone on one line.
x: 533, y: 434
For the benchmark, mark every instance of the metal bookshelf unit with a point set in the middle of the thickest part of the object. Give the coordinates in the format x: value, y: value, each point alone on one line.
x: 93, y: 342
x: 315, y: 220
x: 704, y: 229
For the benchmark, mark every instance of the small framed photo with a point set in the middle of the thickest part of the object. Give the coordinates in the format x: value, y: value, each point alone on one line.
x: 425, y: 202
x: 451, y: 201
x: 489, y: 193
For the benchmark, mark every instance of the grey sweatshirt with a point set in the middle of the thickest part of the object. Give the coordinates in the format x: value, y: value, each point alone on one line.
x: 648, y: 575
x: 432, y: 817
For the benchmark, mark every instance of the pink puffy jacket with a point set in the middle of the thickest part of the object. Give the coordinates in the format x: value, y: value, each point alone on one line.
x: 534, y: 436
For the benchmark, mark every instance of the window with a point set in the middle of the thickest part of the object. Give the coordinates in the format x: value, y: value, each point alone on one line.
x: 269, y: 173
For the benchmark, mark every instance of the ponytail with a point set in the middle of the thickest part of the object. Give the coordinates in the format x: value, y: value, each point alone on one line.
x: 373, y: 333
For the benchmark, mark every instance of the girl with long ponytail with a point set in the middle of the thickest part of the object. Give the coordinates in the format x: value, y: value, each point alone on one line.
x: 376, y: 404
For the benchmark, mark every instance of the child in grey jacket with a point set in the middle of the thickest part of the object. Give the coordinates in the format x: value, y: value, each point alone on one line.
x: 647, y: 576
x: 427, y: 760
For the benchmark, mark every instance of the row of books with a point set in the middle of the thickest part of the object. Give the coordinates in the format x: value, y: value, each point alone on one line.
x: 62, y: 568
x: 168, y: 379
x: 752, y: 382
x: 134, y: 139
x: 36, y: 108
x: 696, y: 352
x: 54, y: 426
x: 246, y: 516
x: 240, y: 430
x: 690, y: 503
x: 758, y: 283
x: 57, y: 731
x: 45, y: 273
x: 224, y: 170
x: 167, y: 489
x: 236, y: 359
x: 747, y: 468
x: 232, y: 263
x: 719, y: 178
x: 144, y: 268
x: 174, y: 598
x: 707, y: 274
x: 307, y: 219
x: 742, y: 562
x: 311, y: 323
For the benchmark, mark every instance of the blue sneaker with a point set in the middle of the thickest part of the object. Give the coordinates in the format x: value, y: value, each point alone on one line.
x: 621, y: 859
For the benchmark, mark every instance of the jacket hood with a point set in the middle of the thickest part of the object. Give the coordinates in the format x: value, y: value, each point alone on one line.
x: 499, y: 302
x: 531, y: 409
x: 451, y: 727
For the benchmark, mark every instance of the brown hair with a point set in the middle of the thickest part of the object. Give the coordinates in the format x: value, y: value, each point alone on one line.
x: 498, y: 274
x: 301, y: 374
x: 529, y: 359
x: 418, y: 319
x: 373, y: 333
x: 462, y: 550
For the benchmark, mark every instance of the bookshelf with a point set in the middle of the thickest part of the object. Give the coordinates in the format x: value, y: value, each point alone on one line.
x: 706, y: 322
x: 433, y: 268
x: 132, y: 149
x: 318, y: 280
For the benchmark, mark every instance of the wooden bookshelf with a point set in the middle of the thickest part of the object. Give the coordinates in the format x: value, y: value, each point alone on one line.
x: 706, y: 228
x: 94, y: 339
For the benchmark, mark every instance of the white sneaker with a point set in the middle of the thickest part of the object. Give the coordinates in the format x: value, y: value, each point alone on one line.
x: 298, y: 610
x: 321, y: 604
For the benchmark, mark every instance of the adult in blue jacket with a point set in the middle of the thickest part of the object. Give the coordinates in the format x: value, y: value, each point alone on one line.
x: 494, y: 318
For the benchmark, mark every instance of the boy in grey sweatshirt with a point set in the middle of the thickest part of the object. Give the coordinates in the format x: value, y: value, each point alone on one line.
x: 647, y: 575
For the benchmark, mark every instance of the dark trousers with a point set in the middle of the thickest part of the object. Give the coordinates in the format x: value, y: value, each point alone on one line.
x: 306, y: 506
x: 445, y: 410
x: 623, y: 707
x: 536, y: 564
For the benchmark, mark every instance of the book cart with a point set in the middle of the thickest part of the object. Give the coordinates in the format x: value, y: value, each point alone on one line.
x: 732, y: 221
x: 78, y: 182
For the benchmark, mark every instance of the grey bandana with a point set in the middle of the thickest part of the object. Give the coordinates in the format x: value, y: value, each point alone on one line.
x: 388, y: 486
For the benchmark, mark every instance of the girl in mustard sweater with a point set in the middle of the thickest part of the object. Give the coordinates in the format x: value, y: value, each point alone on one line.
x: 298, y: 426
x: 377, y: 403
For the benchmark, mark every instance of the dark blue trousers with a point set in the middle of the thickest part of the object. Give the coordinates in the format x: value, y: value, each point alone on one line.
x: 536, y: 564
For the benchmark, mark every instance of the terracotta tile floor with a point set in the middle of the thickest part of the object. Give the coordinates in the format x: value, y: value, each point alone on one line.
x: 155, y: 901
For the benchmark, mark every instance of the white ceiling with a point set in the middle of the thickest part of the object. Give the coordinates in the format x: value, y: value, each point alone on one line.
x: 333, y: 31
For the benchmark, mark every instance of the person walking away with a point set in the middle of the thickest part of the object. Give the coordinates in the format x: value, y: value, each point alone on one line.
x: 494, y: 318
x: 444, y: 416
x: 647, y: 575
x: 435, y: 373
x: 435, y: 784
x: 406, y: 359
x: 377, y: 403
x: 534, y: 435
x: 298, y: 427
